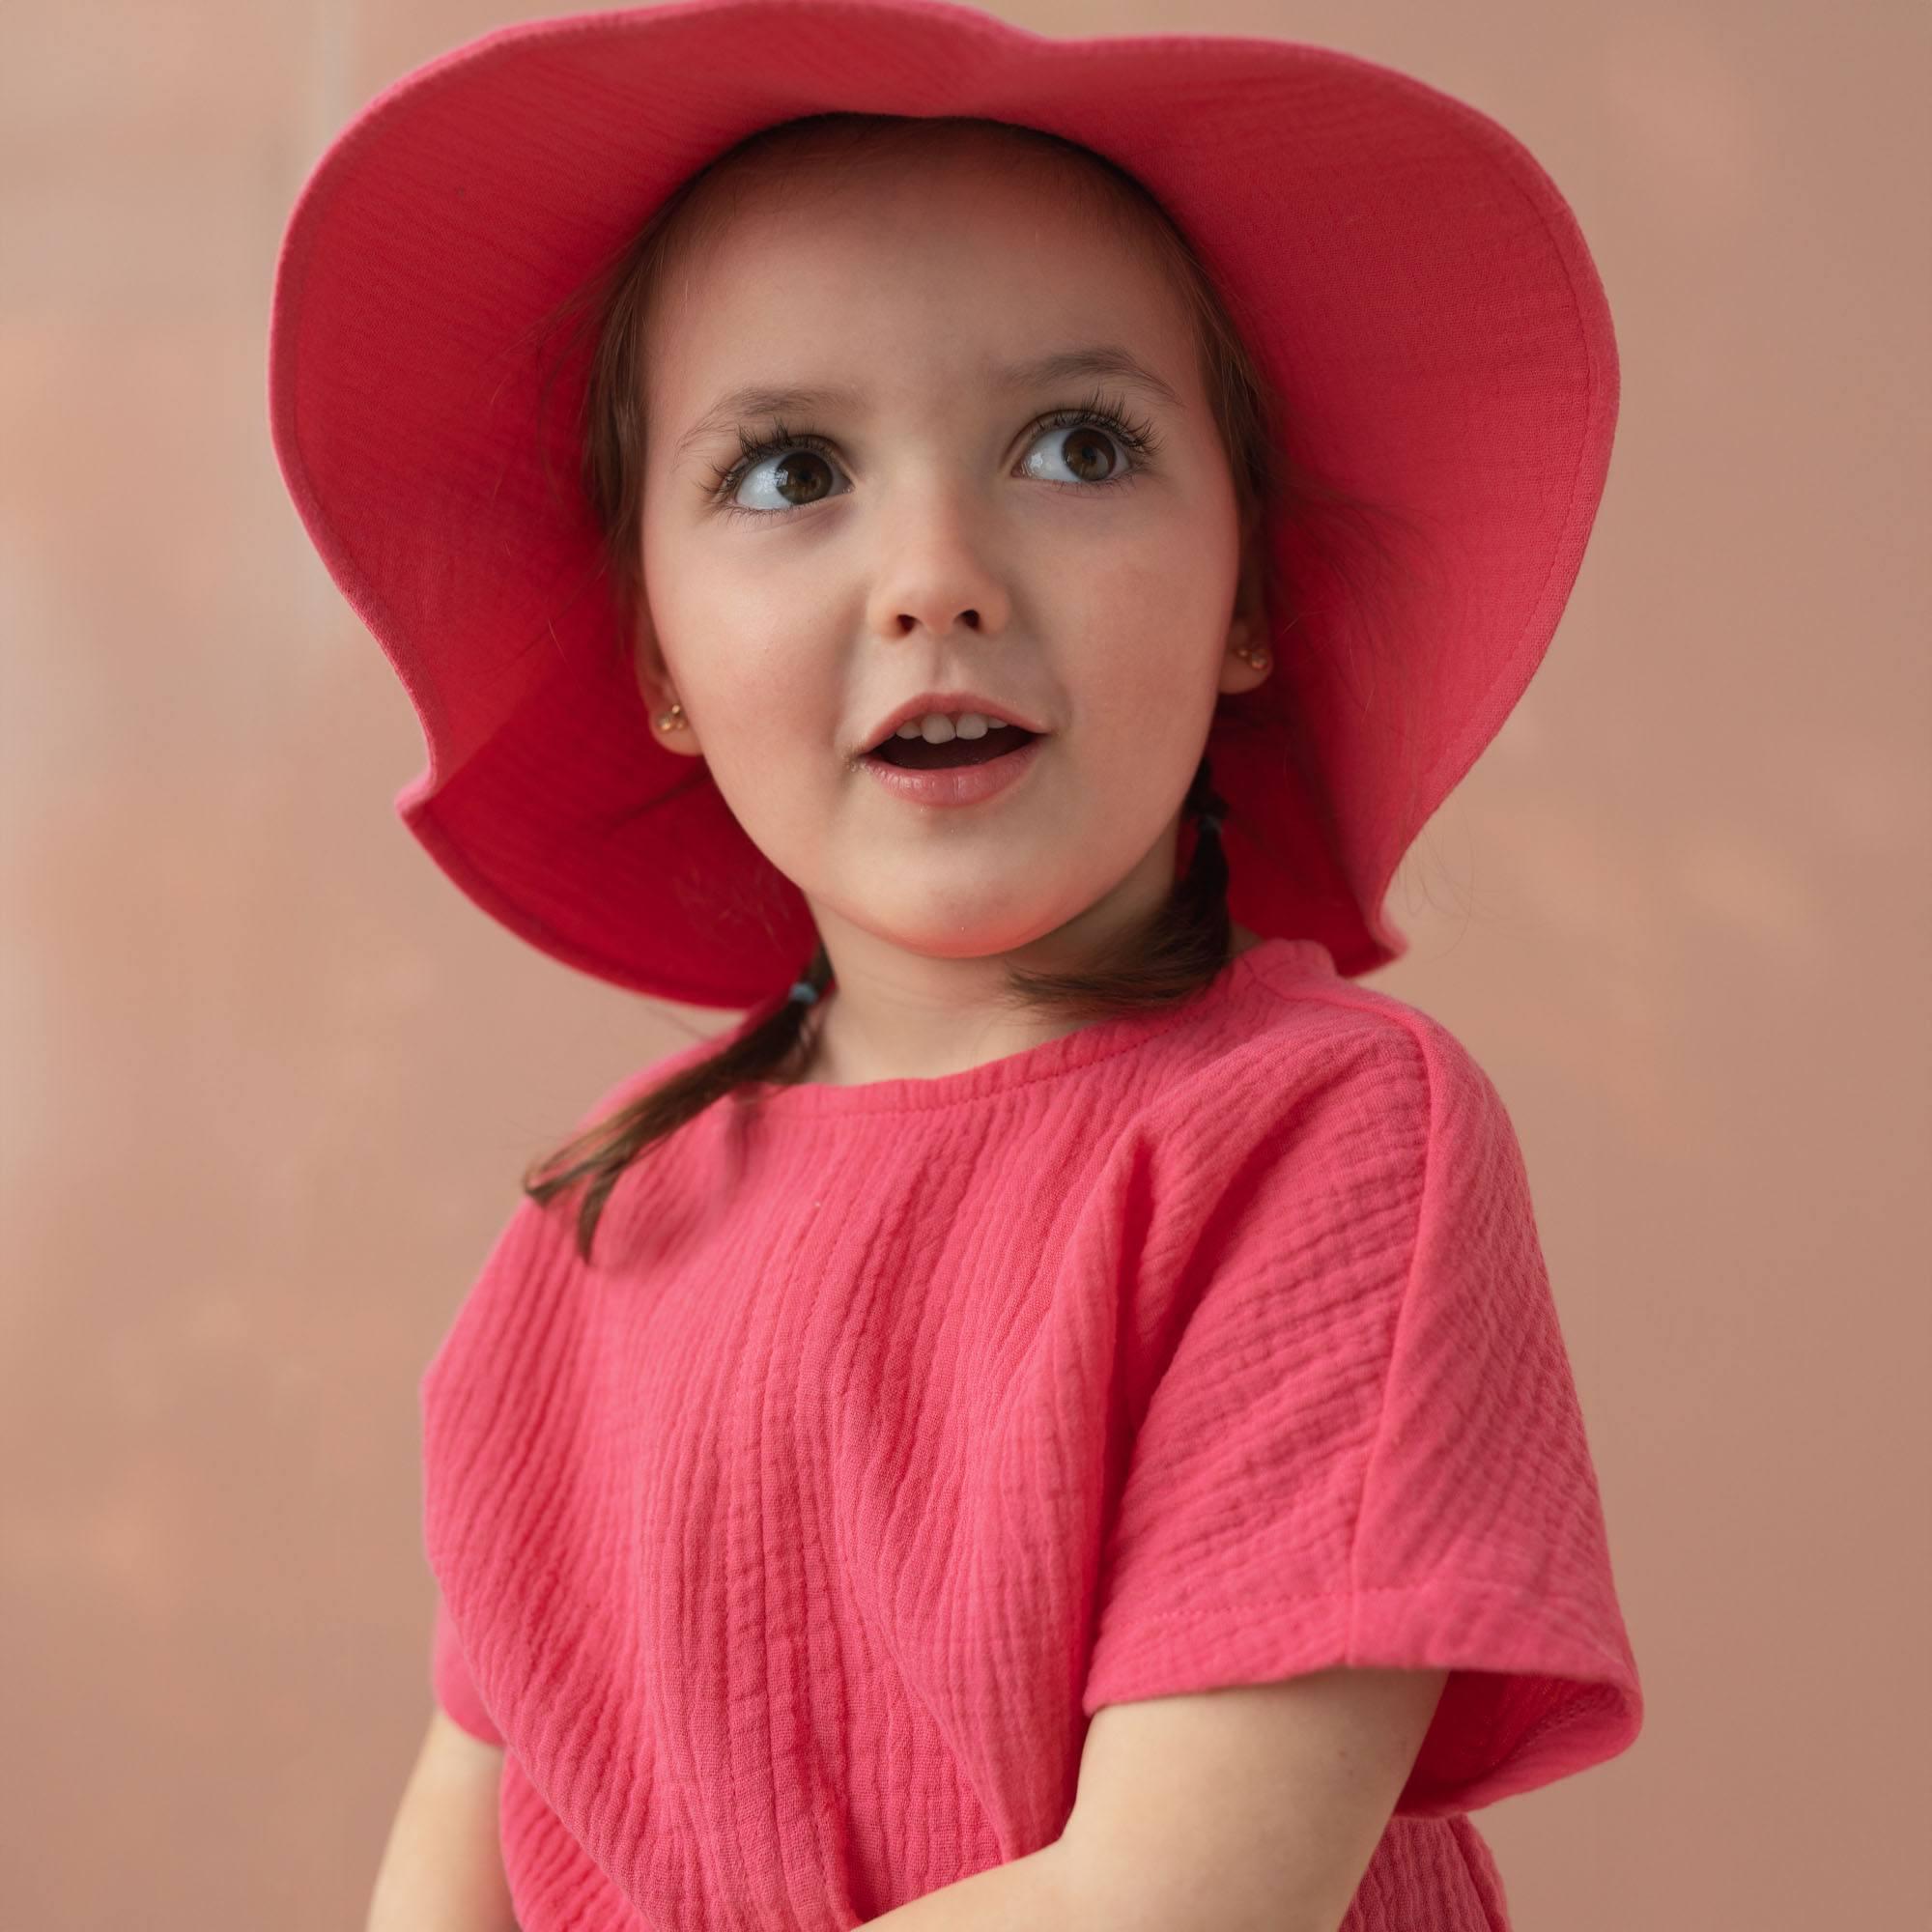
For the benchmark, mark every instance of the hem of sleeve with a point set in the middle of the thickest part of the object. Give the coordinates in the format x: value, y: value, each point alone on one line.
x: 472, y: 1719
x: 1534, y: 1694
x: 455, y: 1696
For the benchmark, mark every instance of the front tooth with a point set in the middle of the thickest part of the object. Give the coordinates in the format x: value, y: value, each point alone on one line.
x: 936, y: 728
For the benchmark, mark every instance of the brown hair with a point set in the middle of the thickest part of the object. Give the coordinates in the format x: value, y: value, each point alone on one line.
x: 1186, y: 943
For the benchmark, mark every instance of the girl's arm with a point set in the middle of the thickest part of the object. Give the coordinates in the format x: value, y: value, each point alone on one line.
x: 442, y: 1869
x: 1252, y: 1809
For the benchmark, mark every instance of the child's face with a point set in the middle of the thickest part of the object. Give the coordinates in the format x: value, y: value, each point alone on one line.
x: 941, y: 539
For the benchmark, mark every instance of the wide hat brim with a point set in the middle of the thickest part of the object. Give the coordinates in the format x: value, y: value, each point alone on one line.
x: 1404, y: 270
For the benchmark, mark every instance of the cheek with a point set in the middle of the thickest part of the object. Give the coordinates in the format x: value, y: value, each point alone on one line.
x: 774, y: 788
x: 760, y: 743
x: 1151, y: 632
x: 770, y: 738
x: 758, y: 680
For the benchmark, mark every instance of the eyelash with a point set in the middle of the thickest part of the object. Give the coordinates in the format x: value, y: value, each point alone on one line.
x: 1110, y: 414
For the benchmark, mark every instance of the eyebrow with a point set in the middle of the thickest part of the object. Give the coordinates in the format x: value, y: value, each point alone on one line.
x: 1104, y: 359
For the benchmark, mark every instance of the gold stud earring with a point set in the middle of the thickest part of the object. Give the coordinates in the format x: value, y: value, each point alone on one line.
x: 673, y: 719
x: 1249, y: 654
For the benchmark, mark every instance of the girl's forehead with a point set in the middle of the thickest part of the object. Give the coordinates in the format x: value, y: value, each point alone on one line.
x: 1000, y: 298
x: 979, y: 213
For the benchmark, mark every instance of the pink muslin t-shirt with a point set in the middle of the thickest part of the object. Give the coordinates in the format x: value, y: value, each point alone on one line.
x: 898, y: 1428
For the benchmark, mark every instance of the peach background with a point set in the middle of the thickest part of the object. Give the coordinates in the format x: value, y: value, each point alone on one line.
x: 271, y: 1079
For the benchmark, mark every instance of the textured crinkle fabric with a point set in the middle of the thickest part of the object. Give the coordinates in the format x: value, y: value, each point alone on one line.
x: 896, y: 1429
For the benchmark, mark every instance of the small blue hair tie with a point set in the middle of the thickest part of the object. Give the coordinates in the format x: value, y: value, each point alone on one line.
x: 804, y: 992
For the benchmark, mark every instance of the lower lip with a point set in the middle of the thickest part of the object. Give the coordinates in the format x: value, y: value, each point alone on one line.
x: 962, y: 784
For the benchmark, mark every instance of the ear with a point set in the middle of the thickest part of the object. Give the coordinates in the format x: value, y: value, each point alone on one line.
x: 1247, y: 627
x: 658, y: 687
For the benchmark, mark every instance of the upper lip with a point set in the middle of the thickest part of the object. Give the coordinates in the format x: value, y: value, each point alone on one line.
x: 951, y: 703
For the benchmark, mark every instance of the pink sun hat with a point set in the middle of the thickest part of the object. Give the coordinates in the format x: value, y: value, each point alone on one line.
x: 1403, y: 271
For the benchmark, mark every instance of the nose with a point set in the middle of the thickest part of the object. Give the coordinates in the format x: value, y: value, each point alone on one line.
x: 937, y: 574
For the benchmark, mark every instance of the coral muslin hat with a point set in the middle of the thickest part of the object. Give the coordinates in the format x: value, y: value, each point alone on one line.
x: 1405, y: 274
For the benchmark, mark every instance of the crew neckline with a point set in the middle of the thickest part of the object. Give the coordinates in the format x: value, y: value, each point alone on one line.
x: 1270, y: 961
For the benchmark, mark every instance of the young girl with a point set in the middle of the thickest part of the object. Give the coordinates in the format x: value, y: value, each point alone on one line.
x: 1056, y: 1418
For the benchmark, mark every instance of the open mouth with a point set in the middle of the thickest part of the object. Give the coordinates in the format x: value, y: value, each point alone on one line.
x: 916, y: 755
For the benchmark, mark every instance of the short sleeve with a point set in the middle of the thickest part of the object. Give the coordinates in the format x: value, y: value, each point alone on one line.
x: 1365, y: 1447
x: 450, y: 1681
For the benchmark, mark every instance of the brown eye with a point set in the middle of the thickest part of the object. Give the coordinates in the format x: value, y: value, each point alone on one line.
x: 1089, y: 454
x: 803, y: 471
x: 790, y: 463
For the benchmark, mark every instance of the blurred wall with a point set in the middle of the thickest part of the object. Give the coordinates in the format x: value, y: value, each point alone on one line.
x: 271, y: 1079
